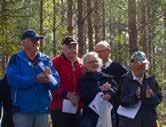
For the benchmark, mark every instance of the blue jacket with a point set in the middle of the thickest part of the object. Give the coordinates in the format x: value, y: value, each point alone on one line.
x: 27, y: 94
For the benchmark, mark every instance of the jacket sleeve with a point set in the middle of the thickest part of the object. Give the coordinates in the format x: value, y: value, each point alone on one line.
x: 14, y: 77
x: 157, y: 96
x: 114, y: 88
x: 55, y: 75
x: 127, y: 98
x: 104, y: 77
x: 60, y: 92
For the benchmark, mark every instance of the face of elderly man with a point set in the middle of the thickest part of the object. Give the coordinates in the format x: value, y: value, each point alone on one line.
x: 70, y: 51
x: 103, y: 52
x: 30, y: 45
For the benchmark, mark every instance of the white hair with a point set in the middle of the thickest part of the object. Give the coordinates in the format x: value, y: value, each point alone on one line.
x: 92, y: 54
x: 103, y: 43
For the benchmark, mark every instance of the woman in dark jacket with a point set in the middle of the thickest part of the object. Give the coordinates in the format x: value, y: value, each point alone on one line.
x: 138, y: 86
x: 91, y: 83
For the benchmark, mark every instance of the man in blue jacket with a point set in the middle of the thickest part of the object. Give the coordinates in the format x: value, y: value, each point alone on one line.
x: 30, y: 83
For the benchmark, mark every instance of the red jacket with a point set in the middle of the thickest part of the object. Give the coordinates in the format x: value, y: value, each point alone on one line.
x: 69, y: 79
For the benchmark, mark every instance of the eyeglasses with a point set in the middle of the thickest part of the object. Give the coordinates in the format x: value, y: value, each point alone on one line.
x: 99, y: 51
x: 140, y: 62
x: 94, y: 61
x: 34, y: 41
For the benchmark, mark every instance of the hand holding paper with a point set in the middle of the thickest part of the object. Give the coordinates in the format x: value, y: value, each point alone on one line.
x: 68, y: 107
x: 50, y: 76
x: 106, y: 97
x: 129, y: 112
x: 73, y: 97
x: 106, y: 86
x: 42, y: 78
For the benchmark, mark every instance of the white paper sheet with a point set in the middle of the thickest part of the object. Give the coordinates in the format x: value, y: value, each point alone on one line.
x: 97, y: 103
x: 129, y: 112
x: 104, y: 119
x: 68, y: 107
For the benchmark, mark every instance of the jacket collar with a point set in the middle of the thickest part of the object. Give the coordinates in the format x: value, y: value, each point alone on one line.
x: 108, y: 63
x: 23, y: 56
x: 130, y: 75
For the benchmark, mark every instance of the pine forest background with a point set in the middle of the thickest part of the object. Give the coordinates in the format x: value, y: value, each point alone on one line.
x: 127, y: 25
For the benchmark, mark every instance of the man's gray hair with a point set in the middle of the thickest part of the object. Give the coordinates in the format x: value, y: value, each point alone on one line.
x: 104, y: 43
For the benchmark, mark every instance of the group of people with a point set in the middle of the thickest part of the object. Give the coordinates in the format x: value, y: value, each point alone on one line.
x: 76, y: 84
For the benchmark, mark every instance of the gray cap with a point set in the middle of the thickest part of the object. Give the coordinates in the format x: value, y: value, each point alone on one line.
x: 139, y: 56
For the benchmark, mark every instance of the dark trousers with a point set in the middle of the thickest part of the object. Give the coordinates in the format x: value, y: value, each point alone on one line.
x: 7, y: 120
x: 60, y: 119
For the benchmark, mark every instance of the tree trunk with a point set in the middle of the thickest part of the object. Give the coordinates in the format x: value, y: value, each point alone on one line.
x: 143, y: 25
x: 132, y: 28
x: 54, y: 28
x: 41, y: 22
x: 62, y: 13
x: 97, y: 22
x: 69, y: 17
x: 164, y: 43
x: 150, y: 47
x: 80, y: 28
x: 103, y: 19
x: 89, y: 21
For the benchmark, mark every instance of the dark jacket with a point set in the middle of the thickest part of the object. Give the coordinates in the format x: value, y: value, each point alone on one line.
x: 146, y: 115
x: 89, y: 87
x: 116, y: 70
x: 6, y: 103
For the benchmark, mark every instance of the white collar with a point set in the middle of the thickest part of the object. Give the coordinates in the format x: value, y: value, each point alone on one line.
x: 139, y: 79
x: 108, y: 63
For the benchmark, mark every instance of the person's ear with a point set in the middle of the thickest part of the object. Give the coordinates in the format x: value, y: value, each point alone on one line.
x: 64, y: 47
x: 108, y: 50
